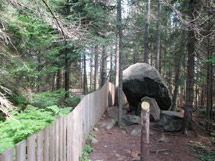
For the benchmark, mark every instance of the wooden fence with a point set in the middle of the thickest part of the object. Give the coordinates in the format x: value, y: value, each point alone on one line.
x: 65, y: 138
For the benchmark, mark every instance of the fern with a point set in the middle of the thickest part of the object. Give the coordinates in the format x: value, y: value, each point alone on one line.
x: 31, y: 120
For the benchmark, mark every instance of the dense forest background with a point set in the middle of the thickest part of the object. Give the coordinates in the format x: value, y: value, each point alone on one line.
x: 51, y: 48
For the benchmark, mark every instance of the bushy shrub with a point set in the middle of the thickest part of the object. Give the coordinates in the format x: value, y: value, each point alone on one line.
x: 59, y: 111
x: 31, y: 120
x: 44, y: 99
x: 73, y: 101
x: 18, y: 101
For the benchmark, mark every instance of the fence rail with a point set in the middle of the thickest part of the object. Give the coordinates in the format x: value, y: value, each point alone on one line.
x: 65, y: 138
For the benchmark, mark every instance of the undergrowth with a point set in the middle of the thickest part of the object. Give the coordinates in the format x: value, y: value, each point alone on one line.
x: 31, y: 120
x: 48, y: 98
x: 202, y: 152
x: 88, y: 148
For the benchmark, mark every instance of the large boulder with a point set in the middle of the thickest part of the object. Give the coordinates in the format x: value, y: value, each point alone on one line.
x: 140, y: 80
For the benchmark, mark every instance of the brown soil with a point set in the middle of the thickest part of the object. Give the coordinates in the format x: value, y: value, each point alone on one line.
x: 117, y: 144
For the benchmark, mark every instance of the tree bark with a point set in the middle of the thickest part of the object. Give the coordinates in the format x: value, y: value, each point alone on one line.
x: 39, y: 69
x: 146, y: 39
x: 96, y: 76
x: 169, y: 75
x: 209, y: 77
x: 111, y: 66
x: 190, y: 70
x: 67, y: 74
x: 59, y: 78
x: 91, y: 74
x: 85, y: 91
x: 67, y: 59
x: 157, y: 61
x: 120, y: 33
x: 177, y: 79
x: 117, y: 62
x: 103, y: 66
x: 81, y: 73
x: 53, y: 81
x: 136, y: 50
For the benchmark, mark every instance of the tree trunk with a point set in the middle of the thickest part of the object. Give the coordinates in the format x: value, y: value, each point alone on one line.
x: 59, y: 78
x: 67, y: 61
x: 111, y: 66
x: 170, y: 75
x: 85, y: 77
x: 81, y: 73
x: 117, y: 62
x: 209, y: 78
x: 136, y: 50
x: 39, y: 69
x: 134, y: 54
x: 151, y: 55
x: 190, y: 70
x: 53, y: 81
x: 96, y: 76
x: 177, y: 80
x: 91, y: 74
x: 146, y: 39
x: 202, y: 96
x: 67, y: 74
x: 103, y: 66
x: 119, y: 27
x: 157, y: 61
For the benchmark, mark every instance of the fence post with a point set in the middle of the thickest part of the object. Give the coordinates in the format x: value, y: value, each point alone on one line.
x: 145, y: 122
x: 7, y: 155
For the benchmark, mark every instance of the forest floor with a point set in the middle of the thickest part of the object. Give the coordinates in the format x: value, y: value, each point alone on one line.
x: 118, y: 144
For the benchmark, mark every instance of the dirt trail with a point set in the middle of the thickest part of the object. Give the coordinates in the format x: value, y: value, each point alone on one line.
x: 117, y: 144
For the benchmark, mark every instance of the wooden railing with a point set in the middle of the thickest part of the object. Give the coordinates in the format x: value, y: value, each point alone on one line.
x: 65, y: 138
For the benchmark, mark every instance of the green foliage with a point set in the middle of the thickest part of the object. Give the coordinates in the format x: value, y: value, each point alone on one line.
x: 204, y: 155
x: 92, y: 136
x: 202, y: 152
x: 73, y: 101
x: 18, y: 101
x: 87, y: 150
x: 59, y: 111
x: 212, y: 60
x: 212, y: 136
x: 44, y: 99
x: 31, y: 120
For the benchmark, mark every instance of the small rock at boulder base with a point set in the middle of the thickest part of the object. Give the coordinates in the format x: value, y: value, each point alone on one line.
x: 94, y: 141
x: 163, y: 140
x: 171, y: 121
x: 154, y: 108
x: 136, y: 131
x: 202, y: 123
x: 131, y: 119
x: 108, y: 124
x: 113, y: 112
x: 96, y: 129
x: 135, y: 159
x: 140, y: 80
